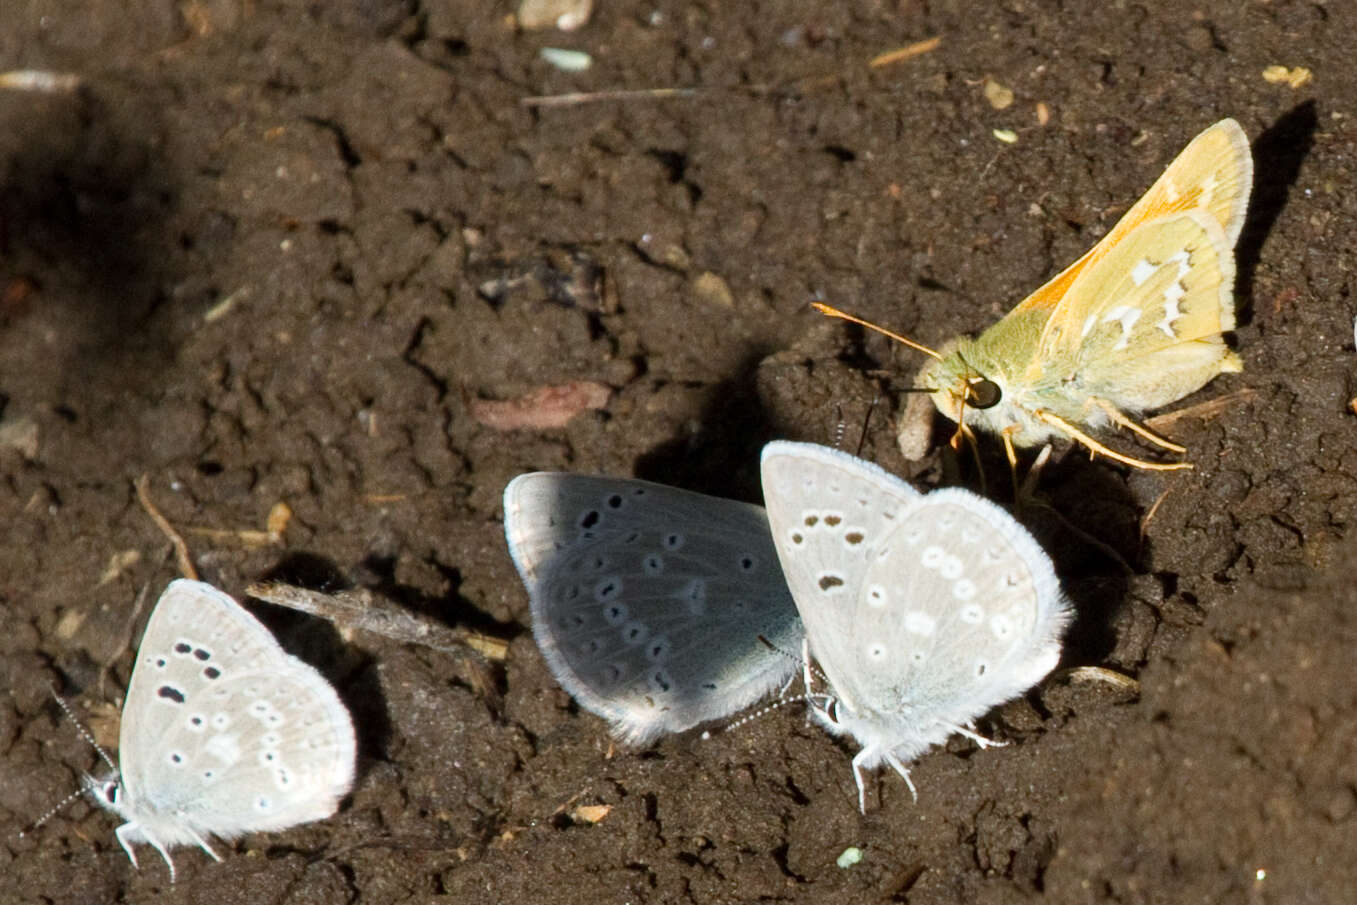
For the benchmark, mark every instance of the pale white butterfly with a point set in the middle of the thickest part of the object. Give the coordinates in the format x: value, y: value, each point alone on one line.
x: 656, y: 608
x: 223, y: 732
x: 922, y: 611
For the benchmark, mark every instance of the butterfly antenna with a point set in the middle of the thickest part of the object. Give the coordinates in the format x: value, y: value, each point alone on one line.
x: 54, y: 810
x: 86, y: 785
x: 840, y: 427
x: 764, y: 710
x: 831, y: 311
x: 84, y: 733
x: 782, y: 700
x: 795, y: 658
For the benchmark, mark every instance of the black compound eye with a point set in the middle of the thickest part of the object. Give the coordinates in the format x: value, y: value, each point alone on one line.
x: 982, y: 393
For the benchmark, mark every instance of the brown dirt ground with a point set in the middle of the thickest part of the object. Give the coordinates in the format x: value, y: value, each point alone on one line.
x: 397, y: 235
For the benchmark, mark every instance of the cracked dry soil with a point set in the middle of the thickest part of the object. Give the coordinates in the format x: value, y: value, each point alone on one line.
x: 272, y: 250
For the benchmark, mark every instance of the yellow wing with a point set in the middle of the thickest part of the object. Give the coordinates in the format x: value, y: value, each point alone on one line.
x: 1152, y: 308
x: 1213, y: 174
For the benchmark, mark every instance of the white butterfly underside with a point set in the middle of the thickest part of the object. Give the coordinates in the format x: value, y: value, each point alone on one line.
x: 1132, y: 325
x: 223, y: 733
x: 655, y: 608
x: 923, y: 612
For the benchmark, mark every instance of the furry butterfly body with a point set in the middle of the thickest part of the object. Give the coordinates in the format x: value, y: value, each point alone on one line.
x: 1133, y: 325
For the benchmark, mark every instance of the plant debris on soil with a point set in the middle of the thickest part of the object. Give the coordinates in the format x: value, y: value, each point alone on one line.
x: 334, y: 256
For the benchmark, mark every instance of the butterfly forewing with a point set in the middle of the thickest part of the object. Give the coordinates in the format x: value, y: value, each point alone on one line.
x: 223, y: 730
x: 1212, y: 175
x: 829, y: 513
x: 655, y: 607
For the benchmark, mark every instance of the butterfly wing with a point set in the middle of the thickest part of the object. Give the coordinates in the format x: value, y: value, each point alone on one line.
x: 1212, y: 176
x: 826, y: 509
x: 1153, y: 309
x: 223, y: 732
x: 961, y: 611
x: 656, y: 608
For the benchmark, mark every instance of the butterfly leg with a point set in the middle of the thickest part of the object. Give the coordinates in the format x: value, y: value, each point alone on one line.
x: 805, y: 664
x: 123, y: 835
x: 964, y: 432
x: 1095, y: 447
x: 1028, y: 490
x: 978, y: 738
x: 202, y: 843
x: 164, y: 853
x: 807, y: 675
x: 904, y: 774
x: 1117, y: 418
x: 1012, y: 454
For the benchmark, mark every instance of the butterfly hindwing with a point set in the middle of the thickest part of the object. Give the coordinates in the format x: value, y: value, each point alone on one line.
x: 1158, y: 303
x: 966, y: 606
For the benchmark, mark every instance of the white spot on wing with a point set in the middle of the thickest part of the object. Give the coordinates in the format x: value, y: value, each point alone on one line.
x: 1184, y: 263
x: 1142, y: 271
x: 918, y: 622
x: 225, y: 748
x: 1171, y: 313
x: 1208, y: 189
x: 1127, y: 317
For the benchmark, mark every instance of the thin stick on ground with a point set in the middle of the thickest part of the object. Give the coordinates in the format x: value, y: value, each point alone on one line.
x: 362, y: 610
x: 575, y: 98
x: 1203, y: 410
x: 186, y: 567
x: 909, y: 51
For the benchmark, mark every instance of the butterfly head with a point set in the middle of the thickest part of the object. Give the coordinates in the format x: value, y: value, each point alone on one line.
x: 107, y: 792
x: 957, y: 384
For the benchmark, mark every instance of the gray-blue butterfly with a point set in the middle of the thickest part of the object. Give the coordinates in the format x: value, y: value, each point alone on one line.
x: 656, y: 608
x: 922, y: 611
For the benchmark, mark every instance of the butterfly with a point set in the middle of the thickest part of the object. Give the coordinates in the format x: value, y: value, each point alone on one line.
x: 1134, y: 324
x: 922, y: 611
x: 223, y: 733
x: 656, y: 608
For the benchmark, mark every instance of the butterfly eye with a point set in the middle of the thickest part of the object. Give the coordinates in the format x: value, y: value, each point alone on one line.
x: 982, y: 393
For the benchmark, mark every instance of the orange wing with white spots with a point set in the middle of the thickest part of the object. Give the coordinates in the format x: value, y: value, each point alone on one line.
x: 1213, y: 176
